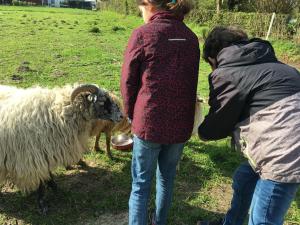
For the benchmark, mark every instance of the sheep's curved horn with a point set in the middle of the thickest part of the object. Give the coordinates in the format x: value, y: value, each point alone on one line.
x: 84, y: 88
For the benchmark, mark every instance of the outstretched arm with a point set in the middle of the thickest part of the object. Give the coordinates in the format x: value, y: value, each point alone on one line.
x: 226, y: 104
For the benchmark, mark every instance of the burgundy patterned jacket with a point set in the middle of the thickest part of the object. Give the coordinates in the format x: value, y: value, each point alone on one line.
x: 159, y: 79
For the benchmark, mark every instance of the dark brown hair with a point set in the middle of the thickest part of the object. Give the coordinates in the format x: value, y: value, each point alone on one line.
x: 221, y: 37
x: 178, y: 7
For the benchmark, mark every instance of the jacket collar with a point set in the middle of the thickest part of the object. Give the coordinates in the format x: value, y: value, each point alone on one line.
x: 166, y: 15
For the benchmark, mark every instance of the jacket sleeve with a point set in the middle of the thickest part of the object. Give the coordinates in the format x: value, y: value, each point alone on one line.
x: 226, y: 104
x: 130, y: 75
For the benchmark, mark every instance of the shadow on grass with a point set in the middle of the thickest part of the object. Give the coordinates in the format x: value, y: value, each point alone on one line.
x: 189, y: 215
x: 86, y: 193
x: 225, y: 159
x: 190, y: 202
x: 193, y: 199
x: 297, y: 199
x: 83, y: 194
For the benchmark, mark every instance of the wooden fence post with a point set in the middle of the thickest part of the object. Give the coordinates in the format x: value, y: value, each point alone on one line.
x: 270, y: 27
x: 218, y: 6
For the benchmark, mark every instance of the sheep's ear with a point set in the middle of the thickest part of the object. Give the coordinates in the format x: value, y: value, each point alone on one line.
x: 92, y: 98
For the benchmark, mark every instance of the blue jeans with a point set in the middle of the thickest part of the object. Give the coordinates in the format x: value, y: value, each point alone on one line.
x: 269, y: 200
x: 146, y: 157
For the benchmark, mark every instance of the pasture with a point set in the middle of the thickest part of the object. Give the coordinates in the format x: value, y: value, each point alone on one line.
x: 52, y: 47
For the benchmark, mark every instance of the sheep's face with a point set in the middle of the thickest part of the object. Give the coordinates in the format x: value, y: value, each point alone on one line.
x: 95, y: 103
x: 104, y: 107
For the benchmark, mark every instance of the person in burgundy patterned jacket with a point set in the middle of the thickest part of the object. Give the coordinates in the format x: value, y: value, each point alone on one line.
x: 158, y: 85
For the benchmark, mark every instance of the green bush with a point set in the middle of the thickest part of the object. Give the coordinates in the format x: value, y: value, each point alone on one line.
x: 122, y: 6
x: 23, y: 3
x: 201, y: 16
x: 15, y: 2
x: 256, y: 24
x: 94, y: 30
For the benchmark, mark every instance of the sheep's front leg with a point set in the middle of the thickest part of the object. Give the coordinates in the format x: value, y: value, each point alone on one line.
x: 51, y: 183
x: 96, y: 147
x: 82, y: 163
x: 41, y: 199
x: 108, y: 139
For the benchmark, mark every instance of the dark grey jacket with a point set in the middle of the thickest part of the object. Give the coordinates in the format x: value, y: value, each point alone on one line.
x: 256, y: 99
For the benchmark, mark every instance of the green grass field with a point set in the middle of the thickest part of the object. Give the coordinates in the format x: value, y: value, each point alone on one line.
x: 50, y: 47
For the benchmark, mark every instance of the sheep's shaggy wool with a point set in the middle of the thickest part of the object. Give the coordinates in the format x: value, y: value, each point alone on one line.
x: 6, y: 91
x: 39, y: 130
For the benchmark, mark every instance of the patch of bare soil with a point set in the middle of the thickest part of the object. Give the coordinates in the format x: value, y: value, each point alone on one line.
x: 16, y: 78
x: 8, y: 188
x: 293, y: 63
x: 59, y: 73
x: 88, y: 176
x: 24, y: 67
x: 108, y: 219
x: 296, y: 65
x: 222, y: 194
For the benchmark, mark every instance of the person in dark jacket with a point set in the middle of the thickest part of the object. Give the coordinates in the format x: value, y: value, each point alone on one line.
x: 158, y: 85
x: 255, y: 99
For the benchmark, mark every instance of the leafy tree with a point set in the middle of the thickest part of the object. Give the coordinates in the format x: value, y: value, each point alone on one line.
x: 277, y: 6
x: 205, y: 4
x: 231, y: 4
x: 264, y: 6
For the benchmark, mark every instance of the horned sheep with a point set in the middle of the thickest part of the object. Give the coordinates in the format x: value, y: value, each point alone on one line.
x: 41, y: 129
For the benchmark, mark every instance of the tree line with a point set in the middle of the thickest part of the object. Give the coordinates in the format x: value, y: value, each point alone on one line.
x: 262, y: 6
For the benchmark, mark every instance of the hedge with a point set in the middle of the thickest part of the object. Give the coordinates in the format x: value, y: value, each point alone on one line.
x: 256, y: 24
x: 121, y: 6
x: 23, y: 3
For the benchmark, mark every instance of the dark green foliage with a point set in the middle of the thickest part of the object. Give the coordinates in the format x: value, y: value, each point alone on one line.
x: 117, y: 28
x: 277, y: 6
x: 201, y: 16
x: 256, y: 24
x: 122, y: 6
x: 95, y: 30
x: 23, y: 3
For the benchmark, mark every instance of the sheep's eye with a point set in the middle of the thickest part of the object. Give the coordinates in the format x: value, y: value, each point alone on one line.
x: 92, y: 98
